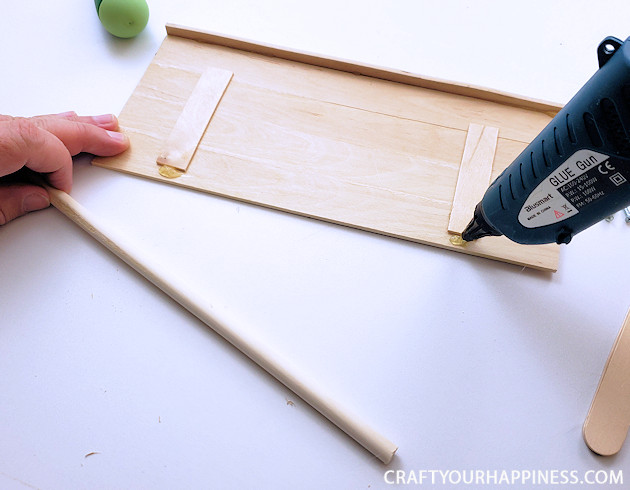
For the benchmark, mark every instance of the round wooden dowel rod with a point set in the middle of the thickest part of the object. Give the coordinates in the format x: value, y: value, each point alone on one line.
x: 155, y: 272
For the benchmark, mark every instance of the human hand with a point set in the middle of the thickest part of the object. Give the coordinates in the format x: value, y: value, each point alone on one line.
x: 46, y: 145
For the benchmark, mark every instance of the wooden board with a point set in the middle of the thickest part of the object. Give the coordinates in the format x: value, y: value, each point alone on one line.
x: 351, y: 144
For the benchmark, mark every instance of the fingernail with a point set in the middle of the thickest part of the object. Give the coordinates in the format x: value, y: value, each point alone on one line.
x: 103, y: 119
x: 34, y: 201
x: 120, y: 137
x: 66, y: 114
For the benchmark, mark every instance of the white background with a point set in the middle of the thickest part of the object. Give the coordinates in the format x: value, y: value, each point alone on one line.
x: 465, y: 363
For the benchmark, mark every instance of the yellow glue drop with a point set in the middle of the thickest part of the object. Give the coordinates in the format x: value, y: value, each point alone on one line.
x: 169, y: 172
x: 457, y: 240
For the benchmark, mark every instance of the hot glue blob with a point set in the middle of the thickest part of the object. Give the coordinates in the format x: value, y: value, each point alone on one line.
x: 123, y: 18
x: 457, y: 240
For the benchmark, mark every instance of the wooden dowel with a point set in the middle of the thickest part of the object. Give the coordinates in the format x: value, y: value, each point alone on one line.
x: 212, y: 316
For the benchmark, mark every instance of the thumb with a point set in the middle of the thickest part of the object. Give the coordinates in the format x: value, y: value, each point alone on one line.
x: 19, y: 199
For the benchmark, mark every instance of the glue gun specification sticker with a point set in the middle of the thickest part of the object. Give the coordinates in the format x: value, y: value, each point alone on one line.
x: 582, y: 179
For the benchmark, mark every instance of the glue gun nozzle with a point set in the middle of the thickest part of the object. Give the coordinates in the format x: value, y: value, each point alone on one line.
x: 479, y: 226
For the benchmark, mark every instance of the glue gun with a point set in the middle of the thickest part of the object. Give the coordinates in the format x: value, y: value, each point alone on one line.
x: 575, y: 172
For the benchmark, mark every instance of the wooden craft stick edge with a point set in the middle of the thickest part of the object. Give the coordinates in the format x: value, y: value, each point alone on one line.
x: 550, y: 108
x: 593, y: 432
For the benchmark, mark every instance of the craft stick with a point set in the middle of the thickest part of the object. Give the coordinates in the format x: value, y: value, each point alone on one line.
x: 474, y: 174
x: 194, y: 118
x: 362, y: 69
x: 606, y: 425
x: 219, y: 321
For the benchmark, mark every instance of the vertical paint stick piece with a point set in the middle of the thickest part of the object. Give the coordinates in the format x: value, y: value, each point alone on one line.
x: 606, y: 425
x: 474, y: 174
x: 192, y: 122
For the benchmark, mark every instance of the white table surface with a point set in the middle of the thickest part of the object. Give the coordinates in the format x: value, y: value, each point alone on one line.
x: 465, y: 363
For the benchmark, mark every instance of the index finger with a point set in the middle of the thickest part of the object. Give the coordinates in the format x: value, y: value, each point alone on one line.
x: 105, y: 121
x: 79, y: 136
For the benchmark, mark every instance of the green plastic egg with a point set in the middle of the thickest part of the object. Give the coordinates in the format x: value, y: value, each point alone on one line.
x: 123, y: 18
